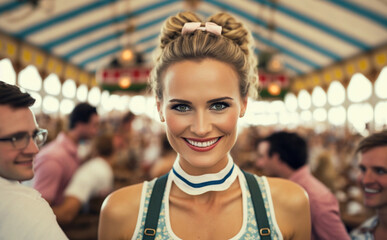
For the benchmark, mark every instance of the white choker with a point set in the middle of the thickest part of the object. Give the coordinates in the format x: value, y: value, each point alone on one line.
x: 196, y: 185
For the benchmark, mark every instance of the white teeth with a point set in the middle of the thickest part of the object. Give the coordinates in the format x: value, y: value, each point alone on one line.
x: 369, y: 190
x: 202, y: 144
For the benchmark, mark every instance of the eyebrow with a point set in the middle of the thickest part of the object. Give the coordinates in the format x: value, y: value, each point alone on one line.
x: 210, y: 101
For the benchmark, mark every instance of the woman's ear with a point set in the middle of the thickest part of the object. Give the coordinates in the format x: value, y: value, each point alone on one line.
x: 159, y: 109
x: 243, y: 106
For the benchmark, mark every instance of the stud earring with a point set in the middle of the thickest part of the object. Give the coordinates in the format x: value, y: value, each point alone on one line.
x: 162, y: 119
x: 242, y: 114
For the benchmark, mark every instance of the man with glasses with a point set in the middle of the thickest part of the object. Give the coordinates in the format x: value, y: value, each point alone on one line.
x: 23, y: 213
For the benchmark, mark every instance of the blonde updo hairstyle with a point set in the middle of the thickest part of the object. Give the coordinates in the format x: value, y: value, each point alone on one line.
x: 233, y: 46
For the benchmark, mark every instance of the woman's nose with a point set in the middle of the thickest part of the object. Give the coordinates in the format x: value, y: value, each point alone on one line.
x: 201, y: 124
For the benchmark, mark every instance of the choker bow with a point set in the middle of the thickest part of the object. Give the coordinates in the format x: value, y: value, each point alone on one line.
x: 211, y: 27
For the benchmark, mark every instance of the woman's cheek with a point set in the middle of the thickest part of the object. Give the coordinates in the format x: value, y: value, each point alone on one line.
x: 175, y: 124
x: 228, y: 123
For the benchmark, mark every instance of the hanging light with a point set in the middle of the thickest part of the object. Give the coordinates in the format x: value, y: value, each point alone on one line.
x: 319, y: 97
x: 137, y: 104
x: 50, y: 104
x: 320, y: 114
x: 304, y: 99
x: 291, y: 102
x: 66, y: 106
x: 306, y: 116
x: 127, y: 55
x: 94, y: 96
x: 277, y: 107
x: 52, y: 84
x: 336, y: 93
x: 82, y: 93
x: 69, y: 88
x: 29, y: 78
x: 337, y: 115
x: 7, y: 73
x: 360, y: 113
x: 125, y: 82
x: 274, y: 89
x: 275, y: 64
x: 105, y: 101
x: 359, y: 88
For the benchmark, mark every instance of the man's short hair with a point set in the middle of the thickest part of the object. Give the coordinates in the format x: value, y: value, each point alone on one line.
x: 12, y: 96
x: 81, y: 114
x: 291, y: 148
x: 375, y: 140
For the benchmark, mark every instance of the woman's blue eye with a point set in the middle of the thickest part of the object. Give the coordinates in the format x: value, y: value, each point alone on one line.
x: 219, y: 106
x: 181, y: 107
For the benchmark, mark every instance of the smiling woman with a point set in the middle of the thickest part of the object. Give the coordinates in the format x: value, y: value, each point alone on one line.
x: 203, y: 75
x: 201, y: 118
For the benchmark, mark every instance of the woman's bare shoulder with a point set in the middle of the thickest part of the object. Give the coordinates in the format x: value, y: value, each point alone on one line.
x: 291, y: 206
x: 287, y: 193
x: 123, y: 197
x: 119, y: 212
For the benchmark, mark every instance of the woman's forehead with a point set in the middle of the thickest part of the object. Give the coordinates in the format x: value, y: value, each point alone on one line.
x: 204, y: 77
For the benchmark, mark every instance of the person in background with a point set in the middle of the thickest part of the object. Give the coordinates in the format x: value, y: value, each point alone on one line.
x: 93, y: 179
x: 57, y: 161
x: 202, y: 79
x: 325, y: 171
x: 129, y: 149
x: 373, y: 182
x: 284, y: 155
x: 24, y: 214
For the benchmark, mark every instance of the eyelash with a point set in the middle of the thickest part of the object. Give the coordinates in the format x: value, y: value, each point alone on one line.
x: 178, y: 107
x: 224, y: 106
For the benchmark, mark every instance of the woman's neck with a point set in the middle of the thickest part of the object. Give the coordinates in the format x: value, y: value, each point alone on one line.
x: 187, y: 167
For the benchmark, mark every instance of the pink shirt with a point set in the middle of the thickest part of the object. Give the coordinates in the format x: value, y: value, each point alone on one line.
x: 54, y: 166
x: 324, y: 208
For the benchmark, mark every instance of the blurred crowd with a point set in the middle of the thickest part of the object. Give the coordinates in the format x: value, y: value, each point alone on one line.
x: 331, y: 157
x: 141, y: 152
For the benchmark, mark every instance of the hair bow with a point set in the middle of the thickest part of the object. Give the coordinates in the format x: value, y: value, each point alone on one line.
x: 209, y: 27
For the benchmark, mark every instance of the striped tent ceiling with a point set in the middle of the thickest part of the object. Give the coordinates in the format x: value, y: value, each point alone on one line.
x: 307, y: 35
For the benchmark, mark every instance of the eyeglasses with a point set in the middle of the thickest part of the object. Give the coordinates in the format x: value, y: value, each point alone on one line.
x: 20, y: 140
